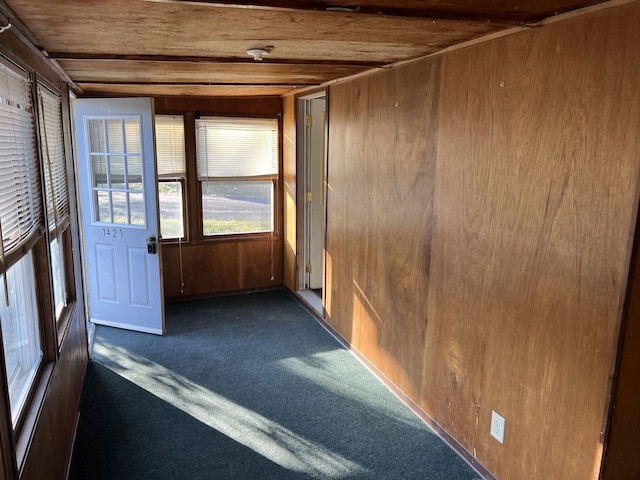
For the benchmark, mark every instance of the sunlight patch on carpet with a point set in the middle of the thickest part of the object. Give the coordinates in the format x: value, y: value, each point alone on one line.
x: 319, y: 368
x: 254, y: 431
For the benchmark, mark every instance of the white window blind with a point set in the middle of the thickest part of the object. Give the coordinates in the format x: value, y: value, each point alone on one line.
x: 170, y: 146
x: 20, y: 197
x: 236, y: 147
x: 55, y: 174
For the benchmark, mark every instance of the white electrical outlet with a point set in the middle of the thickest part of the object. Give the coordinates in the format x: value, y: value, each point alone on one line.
x: 497, y: 426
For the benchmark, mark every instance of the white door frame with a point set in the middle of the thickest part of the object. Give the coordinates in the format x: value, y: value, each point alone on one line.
x: 304, y: 179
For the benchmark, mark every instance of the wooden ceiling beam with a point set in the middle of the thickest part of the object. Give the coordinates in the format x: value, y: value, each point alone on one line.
x: 198, y: 59
x: 195, y: 84
x: 369, y: 9
x: 101, y: 89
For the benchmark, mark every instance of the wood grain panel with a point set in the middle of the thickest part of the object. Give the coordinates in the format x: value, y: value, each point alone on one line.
x: 106, y: 89
x: 50, y: 446
x: 533, y: 206
x: 139, y: 71
x: 535, y: 192
x: 289, y: 179
x: 184, y: 28
x: 621, y: 461
x: 222, y: 266
x: 240, y: 106
x: 382, y: 160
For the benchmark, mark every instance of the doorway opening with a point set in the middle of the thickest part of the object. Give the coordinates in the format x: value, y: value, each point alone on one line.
x: 312, y: 165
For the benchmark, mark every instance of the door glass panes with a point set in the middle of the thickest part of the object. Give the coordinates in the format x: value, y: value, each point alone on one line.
x: 115, y: 136
x: 115, y: 148
x: 96, y: 135
x: 134, y: 177
x: 136, y: 206
x: 132, y: 135
x: 99, y: 168
x: 116, y: 171
x: 103, y: 212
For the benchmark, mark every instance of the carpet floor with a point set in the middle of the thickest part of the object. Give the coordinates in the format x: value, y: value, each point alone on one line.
x: 245, y: 387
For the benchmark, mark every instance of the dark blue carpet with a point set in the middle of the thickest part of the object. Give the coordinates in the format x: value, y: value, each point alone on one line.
x: 245, y: 387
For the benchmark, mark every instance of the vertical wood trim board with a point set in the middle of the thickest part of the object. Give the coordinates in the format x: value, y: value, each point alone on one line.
x: 480, y: 206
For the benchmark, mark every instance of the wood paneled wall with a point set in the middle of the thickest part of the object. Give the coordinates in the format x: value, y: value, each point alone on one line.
x: 221, y: 266
x: 50, y: 449
x: 211, y: 266
x: 480, y: 210
x: 382, y: 161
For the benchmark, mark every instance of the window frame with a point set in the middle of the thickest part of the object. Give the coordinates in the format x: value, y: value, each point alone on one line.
x: 173, y: 178
x: 274, y: 178
x: 36, y: 244
x: 60, y: 228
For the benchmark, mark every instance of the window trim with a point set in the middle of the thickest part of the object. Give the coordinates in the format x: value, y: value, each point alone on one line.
x: 60, y: 229
x: 185, y: 223
x: 175, y: 177
x: 273, y: 177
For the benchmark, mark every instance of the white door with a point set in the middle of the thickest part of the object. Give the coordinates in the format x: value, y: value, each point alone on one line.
x: 118, y: 202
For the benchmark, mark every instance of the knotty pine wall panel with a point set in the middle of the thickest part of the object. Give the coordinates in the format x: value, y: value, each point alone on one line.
x: 382, y: 157
x: 480, y: 212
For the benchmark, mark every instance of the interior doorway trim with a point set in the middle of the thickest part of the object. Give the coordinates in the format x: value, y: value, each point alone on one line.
x: 311, y: 187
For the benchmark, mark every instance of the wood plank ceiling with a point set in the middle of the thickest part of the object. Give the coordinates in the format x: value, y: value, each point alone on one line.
x: 199, y: 48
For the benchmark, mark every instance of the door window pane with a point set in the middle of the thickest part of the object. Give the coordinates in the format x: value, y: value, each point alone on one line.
x: 134, y: 173
x: 119, y: 207
x: 117, y: 170
x: 237, y: 207
x: 115, y: 139
x: 136, y: 208
x: 99, y: 168
x: 20, y: 334
x: 103, y: 206
x: 132, y: 135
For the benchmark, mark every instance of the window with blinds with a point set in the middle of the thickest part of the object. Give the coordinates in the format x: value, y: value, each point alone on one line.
x: 21, y: 226
x: 56, y: 189
x: 171, y: 167
x: 20, y: 197
x: 237, y: 161
x: 55, y: 167
x: 170, y: 146
x: 236, y: 147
